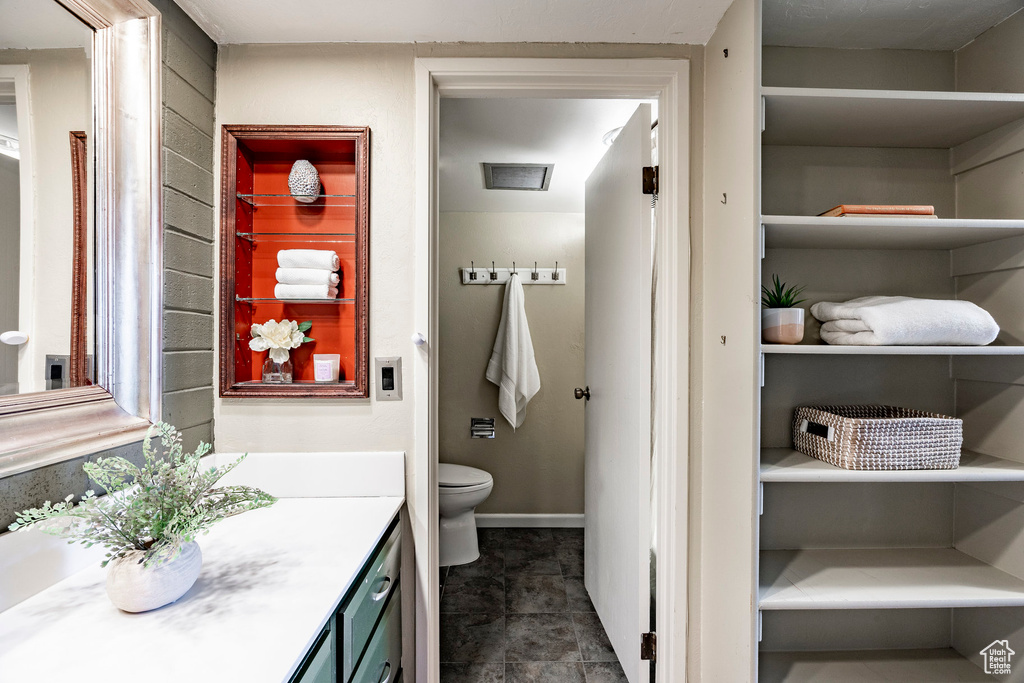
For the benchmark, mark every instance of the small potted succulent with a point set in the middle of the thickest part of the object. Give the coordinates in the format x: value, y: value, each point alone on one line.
x: 149, y: 519
x: 781, y: 321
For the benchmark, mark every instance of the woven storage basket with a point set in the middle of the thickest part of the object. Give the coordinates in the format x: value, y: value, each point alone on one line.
x: 875, y: 437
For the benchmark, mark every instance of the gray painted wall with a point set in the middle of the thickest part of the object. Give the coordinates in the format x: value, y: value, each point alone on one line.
x: 189, y: 62
x: 537, y: 468
x: 189, y: 81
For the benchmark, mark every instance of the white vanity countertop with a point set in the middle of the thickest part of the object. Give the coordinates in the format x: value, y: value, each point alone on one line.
x: 270, y: 581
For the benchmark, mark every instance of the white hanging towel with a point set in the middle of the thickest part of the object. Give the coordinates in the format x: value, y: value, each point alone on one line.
x: 513, y: 366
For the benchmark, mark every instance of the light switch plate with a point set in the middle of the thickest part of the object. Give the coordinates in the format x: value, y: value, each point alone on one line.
x: 388, y: 376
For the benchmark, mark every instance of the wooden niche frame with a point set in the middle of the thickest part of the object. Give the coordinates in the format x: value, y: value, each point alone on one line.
x: 233, y: 338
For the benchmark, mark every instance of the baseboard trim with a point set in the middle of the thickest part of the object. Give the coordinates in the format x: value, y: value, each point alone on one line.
x: 512, y: 520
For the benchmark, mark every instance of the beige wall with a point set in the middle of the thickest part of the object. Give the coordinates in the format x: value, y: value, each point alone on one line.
x: 60, y: 95
x: 537, y: 468
x: 366, y: 84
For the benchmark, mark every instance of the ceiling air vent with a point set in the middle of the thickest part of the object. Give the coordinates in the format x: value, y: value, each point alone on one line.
x: 517, y: 176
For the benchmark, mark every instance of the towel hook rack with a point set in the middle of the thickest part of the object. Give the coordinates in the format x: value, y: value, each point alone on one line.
x: 494, y: 272
x: 534, y: 275
x: 472, y: 270
x: 554, y: 275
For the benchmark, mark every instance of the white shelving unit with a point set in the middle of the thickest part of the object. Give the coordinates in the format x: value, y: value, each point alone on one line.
x: 829, y: 117
x: 828, y: 350
x: 788, y: 465
x: 849, y: 232
x: 883, y: 552
x: 873, y: 666
x: 891, y: 578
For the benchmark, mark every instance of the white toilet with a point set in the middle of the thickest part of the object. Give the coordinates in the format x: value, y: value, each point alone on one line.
x: 460, y: 490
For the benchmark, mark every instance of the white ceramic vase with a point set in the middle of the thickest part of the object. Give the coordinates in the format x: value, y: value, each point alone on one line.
x: 133, y: 587
x: 782, y: 325
x: 304, y: 182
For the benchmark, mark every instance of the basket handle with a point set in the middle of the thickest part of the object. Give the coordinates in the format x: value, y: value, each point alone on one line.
x: 817, y: 429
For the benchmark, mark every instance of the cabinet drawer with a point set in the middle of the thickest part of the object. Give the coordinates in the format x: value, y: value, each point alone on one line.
x: 361, y: 611
x: 318, y: 666
x: 382, y: 662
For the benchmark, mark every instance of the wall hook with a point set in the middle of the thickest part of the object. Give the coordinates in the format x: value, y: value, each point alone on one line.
x: 726, y: 53
x: 494, y: 272
x: 514, y: 271
x: 554, y: 275
x: 472, y: 270
x: 534, y: 275
x: 725, y: 198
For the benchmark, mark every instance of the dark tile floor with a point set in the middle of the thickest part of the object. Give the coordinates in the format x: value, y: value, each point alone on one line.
x: 520, y: 613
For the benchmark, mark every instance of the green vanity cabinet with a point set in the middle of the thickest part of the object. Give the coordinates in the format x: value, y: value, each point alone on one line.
x: 382, y: 661
x: 362, y: 643
x: 360, y: 616
x: 318, y: 666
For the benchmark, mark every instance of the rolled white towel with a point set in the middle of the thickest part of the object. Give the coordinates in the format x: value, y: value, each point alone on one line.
x: 321, y: 259
x: 905, y: 321
x: 307, y: 276
x: 305, y: 292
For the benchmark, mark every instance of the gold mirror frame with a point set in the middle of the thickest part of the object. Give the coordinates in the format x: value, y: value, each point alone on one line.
x: 44, y: 428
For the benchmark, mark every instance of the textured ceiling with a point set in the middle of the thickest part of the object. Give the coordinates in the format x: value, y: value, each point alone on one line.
x: 38, y: 24
x: 894, y: 24
x: 567, y: 133
x: 405, y: 21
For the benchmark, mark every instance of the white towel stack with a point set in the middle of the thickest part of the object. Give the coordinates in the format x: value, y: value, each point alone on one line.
x: 307, y: 274
x: 905, y: 321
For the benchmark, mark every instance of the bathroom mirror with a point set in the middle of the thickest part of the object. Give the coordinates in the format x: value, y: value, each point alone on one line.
x: 107, y: 156
x: 46, y: 219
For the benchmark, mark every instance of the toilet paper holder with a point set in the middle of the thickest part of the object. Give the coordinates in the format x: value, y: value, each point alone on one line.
x: 481, y: 427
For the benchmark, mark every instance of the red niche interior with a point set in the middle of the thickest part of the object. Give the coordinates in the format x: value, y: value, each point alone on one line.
x: 266, y: 225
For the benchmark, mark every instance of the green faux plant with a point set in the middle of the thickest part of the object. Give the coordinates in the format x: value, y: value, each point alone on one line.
x: 779, y: 296
x: 155, y: 508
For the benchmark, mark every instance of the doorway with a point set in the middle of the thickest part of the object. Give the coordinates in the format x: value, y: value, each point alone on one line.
x: 526, y: 608
x: 666, y: 81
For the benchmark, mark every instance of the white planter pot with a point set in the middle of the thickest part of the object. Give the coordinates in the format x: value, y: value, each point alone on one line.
x: 134, y: 588
x: 782, y: 325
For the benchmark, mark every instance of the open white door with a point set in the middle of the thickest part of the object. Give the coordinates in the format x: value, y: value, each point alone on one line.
x: 618, y: 371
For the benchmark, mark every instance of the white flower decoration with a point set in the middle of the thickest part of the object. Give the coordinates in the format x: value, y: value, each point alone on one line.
x: 277, y: 337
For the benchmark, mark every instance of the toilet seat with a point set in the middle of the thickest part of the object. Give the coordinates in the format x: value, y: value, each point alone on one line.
x: 461, y: 477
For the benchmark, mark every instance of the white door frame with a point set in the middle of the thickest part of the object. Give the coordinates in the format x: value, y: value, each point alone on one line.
x: 668, y: 82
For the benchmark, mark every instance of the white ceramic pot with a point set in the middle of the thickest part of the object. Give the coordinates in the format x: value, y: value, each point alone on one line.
x: 782, y: 325
x: 134, y: 588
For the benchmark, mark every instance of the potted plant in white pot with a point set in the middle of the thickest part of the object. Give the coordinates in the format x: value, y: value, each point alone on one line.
x: 781, y: 321
x: 149, y: 519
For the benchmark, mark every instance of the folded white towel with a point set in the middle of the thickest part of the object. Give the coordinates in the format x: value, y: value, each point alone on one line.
x: 513, y: 366
x: 305, y: 292
x: 322, y: 259
x: 905, y: 321
x: 307, y: 276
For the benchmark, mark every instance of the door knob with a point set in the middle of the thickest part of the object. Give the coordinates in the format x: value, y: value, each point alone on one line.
x: 581, y: 393
x: 14, y: 337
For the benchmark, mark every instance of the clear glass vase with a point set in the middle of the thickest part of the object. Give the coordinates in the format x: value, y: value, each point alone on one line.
x: 277, y: 373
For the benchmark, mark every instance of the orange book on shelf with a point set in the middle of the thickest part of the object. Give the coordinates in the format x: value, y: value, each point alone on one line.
x: 879, y: 210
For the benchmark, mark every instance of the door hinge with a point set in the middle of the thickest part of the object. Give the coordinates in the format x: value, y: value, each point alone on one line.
x: 649, y: 646
x: 650, y: 180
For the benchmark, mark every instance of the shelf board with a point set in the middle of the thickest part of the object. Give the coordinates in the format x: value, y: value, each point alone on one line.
x: 868, y: 666
x: 259, y: 200
x: 883, y: 118
x: 900, y: 578
x: 298, y: 236
x: 851, y: 232
x: 841, y: 350
x: 786, y: 464
x: 263, y: 300
x: 299, y: 383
